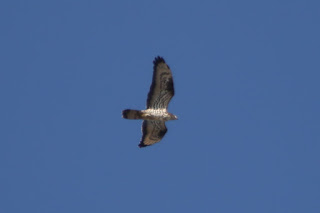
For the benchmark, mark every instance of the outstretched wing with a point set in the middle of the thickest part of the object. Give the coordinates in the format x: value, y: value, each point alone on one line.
x: 161, y: 90
x: 152, y: 132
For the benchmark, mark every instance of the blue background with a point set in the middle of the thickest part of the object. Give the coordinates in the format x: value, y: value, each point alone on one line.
x: 247, y: 86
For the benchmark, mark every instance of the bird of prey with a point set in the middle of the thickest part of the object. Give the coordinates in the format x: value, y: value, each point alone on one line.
x: 156, y: 114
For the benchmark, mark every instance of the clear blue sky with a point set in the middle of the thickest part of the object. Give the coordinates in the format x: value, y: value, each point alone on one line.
x: 247, y: 86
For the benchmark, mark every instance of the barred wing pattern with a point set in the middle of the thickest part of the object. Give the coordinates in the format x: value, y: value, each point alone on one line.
x: 161, y: 90
x: 152, y: 132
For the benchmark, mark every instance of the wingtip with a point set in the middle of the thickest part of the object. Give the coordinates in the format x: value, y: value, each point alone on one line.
x: 142, y: 145
x: 158, y: 60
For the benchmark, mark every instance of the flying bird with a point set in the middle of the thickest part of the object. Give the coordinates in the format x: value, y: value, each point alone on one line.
x: 156, y: 114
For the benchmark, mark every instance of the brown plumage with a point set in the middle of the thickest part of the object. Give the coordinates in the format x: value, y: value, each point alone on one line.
x: 132, y: 114
x: 156, y: 114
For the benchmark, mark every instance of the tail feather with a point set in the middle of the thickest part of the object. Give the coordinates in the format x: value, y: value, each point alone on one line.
x: 131, y: 114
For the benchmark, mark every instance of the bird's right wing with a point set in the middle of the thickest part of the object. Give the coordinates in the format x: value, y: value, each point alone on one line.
x: 161, y: 90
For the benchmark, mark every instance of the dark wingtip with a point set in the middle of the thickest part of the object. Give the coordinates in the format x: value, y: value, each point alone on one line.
x: 158, y: 60
x: 142, y: 145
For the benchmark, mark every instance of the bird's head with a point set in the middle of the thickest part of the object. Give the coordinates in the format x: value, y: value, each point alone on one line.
x: 174, y: 117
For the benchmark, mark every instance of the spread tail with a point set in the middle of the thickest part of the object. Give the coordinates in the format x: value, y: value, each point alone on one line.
x: 131, y: 114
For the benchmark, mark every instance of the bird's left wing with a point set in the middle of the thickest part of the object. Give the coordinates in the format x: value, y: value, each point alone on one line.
x: 152, y: 132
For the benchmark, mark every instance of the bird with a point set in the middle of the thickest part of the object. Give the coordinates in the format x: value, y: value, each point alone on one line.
x: 156, y: 113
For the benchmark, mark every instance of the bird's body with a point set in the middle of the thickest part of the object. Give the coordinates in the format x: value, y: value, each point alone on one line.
x: 156, y: 114
x: 149, y: 114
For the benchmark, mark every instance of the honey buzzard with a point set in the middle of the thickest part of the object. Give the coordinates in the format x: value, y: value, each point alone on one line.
x: 156, y: 114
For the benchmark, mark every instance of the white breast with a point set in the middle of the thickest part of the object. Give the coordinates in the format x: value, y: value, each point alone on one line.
x: 156, y: 112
